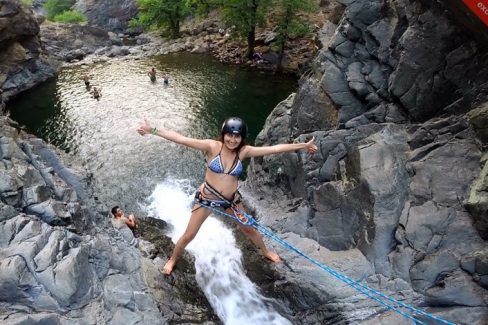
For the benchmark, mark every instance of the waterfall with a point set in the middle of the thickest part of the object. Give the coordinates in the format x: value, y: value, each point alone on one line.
x: 219, y: 272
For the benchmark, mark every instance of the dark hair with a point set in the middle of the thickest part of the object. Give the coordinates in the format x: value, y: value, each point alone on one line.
x: 114, y: 209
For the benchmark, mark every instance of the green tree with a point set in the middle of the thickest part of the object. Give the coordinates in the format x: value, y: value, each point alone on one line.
x: 246, y: 15
x: 167, y: 14
x: 201, y: 7
x: 55, y: 7
x: 289, y: 23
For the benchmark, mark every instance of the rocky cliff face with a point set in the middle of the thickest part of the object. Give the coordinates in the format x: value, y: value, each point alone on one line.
x: 398, y: 186
x: 21, y: 62
x: 61, y: 262
x: 109, y: 15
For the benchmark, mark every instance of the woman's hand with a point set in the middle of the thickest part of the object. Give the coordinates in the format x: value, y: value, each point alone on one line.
x: 145, y: 128
x: 310, y: 146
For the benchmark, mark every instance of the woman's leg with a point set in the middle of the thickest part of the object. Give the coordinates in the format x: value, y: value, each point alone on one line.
x: 197, y: 218
x: 257, y: 239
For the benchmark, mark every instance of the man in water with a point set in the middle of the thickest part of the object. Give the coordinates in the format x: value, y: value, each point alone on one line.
x: 165, y: 79
x: 86, y: 79
x: 152, y: 74
x: 97, y: 93
x: 120, y: 217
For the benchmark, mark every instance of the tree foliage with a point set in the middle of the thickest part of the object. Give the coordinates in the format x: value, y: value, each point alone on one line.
x: 245, y: 15
x: 55, y: 7
x: 289, y: 22
x: 166, y: 14
x: 70, y: 16
x: 202, y: 7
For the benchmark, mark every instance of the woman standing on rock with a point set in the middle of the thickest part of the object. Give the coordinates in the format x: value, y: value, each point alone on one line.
x: 219, y: 190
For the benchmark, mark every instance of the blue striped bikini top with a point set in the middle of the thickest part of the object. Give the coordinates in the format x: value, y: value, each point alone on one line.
x: 216, y: 165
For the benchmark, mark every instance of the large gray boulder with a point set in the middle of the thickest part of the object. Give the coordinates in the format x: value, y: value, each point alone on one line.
x: 399, y: 173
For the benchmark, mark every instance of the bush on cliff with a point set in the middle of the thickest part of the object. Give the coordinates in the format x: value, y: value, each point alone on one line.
x: 70, y: 16
x: 167, y: 14
x: 56, y: 7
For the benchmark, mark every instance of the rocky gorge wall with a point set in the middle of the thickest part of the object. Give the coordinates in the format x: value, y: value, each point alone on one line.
x: 108, y: 15
x: 396, y: 101
x: 395, y: 197
x: 62, y: 262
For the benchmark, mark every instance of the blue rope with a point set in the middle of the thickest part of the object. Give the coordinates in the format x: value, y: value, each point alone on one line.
x: 247, y: 220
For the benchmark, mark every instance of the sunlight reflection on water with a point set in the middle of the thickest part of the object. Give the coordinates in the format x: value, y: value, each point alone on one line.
x: 102, y: 134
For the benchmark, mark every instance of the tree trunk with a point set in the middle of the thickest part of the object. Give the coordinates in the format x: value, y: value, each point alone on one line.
x: 251, y: 37
x: 284, y: 38
x: 177, y: 29
x: 175, y: 25
x: 279, y: 66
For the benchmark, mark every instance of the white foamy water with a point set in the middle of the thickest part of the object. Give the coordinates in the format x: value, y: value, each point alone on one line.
x: 234, y: 298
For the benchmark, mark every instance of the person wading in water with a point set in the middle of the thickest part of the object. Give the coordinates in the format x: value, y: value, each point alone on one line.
x: 152, y: 74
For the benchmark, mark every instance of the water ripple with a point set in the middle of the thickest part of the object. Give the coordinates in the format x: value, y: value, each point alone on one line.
x: 101, y: 134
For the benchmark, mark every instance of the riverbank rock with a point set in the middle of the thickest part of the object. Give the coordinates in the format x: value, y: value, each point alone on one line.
x: 61, y: 261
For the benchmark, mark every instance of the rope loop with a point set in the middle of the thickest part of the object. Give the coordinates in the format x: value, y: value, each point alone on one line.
x: 387, y: 301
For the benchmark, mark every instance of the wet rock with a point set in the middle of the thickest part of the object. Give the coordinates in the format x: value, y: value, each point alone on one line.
x: 477, y: 203
x: 77, y: 54
x: 118, y: 51
x: 392, y: 192
x: 51, y: 271
x: 479, y: 119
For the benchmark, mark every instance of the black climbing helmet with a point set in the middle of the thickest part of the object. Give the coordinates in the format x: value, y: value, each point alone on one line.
x: 234, y: 125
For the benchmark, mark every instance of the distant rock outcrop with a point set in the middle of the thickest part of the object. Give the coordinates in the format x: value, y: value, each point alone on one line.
x: 109, y: 15
x: 69, y: 42
x: 22, y: 64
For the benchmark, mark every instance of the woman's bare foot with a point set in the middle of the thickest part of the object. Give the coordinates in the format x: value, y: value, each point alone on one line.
x: 272, y: 256
x: 168, y: 267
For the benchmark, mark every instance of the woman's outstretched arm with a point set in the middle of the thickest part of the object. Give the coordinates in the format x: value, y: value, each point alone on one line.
x: 251, y: 151
x: 199, y: 144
